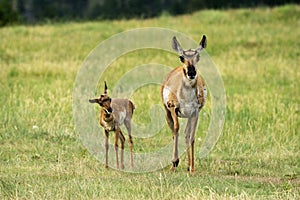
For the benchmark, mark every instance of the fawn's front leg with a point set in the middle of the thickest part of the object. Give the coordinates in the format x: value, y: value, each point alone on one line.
x: 106, y: 134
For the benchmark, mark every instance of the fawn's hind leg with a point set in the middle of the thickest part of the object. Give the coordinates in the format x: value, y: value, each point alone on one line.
x: 128, y: 127
x: 122, y: 138
x: 116, y: 146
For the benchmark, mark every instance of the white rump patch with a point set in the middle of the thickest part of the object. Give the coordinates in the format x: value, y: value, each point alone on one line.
x: 205, y: 93
x: 166, y: 93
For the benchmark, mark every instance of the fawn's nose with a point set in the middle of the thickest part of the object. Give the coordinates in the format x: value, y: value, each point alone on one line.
x: 109, y: 110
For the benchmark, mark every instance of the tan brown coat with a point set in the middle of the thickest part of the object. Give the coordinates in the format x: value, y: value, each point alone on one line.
x: 183, y: 94
x: 114, y: 113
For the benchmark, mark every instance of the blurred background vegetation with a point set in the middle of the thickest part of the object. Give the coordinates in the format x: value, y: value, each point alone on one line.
x: 39, y: 11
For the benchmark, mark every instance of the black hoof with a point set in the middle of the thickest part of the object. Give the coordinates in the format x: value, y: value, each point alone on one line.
x: 175, y: 162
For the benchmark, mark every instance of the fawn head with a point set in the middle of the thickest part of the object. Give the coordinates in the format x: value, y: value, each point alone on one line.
x: 104, y: 101
x: 189, y: 57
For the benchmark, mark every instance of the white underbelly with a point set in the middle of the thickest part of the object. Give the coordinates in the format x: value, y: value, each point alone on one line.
x: 166, y: 93
x: 121, y: 116
x: 188, y: 109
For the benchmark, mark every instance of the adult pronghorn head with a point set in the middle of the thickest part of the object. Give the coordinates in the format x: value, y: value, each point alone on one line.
x: 104, y: 100
x: 189, y: 57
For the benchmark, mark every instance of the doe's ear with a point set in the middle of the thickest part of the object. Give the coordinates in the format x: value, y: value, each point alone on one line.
x: 176, y: 46
x: 202, y: 44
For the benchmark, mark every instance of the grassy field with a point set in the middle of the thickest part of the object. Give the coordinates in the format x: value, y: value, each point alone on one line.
x: 257, y: 156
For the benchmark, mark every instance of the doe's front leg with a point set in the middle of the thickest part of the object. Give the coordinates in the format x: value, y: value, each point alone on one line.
x: 175, y: 130
x: 193, y: 125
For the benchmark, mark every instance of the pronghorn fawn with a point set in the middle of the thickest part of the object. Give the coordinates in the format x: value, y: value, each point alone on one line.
x: 115, y: 112
x: 184, y: 93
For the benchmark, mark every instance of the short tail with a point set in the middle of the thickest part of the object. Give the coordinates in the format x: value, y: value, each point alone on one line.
x: 205, y: 93
x: 131, y: 106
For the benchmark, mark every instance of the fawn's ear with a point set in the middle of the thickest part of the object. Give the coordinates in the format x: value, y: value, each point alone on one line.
x: 202, y: 44
x: 105, y: 88
x: 96, y: 101
x: 93, y: 100
x: 176, y: 46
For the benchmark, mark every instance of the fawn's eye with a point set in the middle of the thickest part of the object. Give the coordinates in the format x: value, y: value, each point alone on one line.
x: 106, y: 99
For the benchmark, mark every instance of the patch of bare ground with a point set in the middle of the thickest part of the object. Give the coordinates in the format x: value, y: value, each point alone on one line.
x: 292, y: 179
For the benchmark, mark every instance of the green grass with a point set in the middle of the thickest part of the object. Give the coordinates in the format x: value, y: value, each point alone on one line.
x: 257, y: 156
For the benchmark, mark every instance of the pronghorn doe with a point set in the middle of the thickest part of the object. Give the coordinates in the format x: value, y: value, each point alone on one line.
x: 184, y: 93
x: 115, y: 112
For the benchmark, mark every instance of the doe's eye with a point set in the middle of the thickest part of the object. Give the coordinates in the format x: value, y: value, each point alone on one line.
x: 181, y: 59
